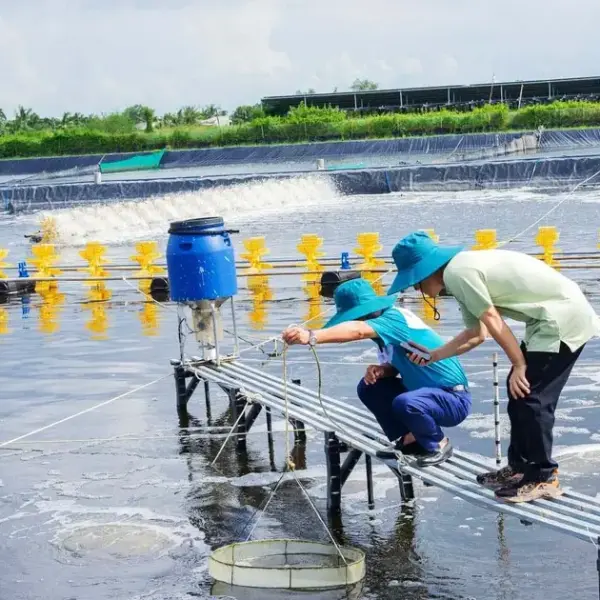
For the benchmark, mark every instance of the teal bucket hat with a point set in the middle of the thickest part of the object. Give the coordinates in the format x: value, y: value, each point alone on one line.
x: 355, y: 299
x: 417, y: 257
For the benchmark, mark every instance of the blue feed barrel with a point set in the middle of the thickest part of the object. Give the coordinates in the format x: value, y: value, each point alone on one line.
x: 200, y: 260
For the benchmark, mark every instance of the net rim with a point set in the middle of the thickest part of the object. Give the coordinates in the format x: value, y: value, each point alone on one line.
x: 226, y: 567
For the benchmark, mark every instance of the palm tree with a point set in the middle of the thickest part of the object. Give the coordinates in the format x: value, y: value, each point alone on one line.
x: 25, y: 118
x: 188, y: 115
x: 148, y: 116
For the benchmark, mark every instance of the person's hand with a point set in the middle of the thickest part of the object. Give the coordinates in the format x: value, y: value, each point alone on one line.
x: 295, y: 335
x: 374, y: 372
x: 517, y: 382
x: 419, y: 360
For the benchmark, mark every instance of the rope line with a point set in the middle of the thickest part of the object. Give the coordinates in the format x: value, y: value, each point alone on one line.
x: 83, y: 412
x: 242, y: 412
x: 555, y: 207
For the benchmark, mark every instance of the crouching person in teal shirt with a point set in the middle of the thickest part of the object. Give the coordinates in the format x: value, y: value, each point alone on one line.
x: 413, y: 408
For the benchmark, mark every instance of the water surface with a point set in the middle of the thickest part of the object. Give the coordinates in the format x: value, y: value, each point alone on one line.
x: 124, y: 503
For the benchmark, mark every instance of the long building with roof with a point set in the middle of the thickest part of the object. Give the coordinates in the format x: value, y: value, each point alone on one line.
x: 514, y: 93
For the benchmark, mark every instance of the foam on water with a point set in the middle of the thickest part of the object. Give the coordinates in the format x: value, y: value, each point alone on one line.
x: 119, y: 222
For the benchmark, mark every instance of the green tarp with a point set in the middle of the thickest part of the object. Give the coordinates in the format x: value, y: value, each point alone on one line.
x: 135, y: 163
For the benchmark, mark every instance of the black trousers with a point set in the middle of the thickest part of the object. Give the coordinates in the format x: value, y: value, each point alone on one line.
x: 532, y: 417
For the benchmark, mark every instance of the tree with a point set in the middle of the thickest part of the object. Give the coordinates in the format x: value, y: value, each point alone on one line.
x: 362, y: 85
x: 307, y: 93
x: 148, y: 117
x: 213, y: 110
x: 169, y: 120
x: 135, y: 113
x: 25, y: 119
x: 188, y: 115
x: 247, y: 113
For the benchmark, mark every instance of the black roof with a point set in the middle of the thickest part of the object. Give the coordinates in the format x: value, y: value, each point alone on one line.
x: 505, y: 91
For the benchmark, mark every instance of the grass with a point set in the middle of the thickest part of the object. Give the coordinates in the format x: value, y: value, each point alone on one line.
x: 304, y: 124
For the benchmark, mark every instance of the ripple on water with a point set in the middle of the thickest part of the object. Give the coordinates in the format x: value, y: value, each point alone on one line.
x: 116, y: 541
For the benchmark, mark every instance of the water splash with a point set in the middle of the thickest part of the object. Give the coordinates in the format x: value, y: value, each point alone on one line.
x: 122, y: 222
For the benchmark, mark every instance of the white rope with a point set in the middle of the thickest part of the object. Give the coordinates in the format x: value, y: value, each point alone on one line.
x: 242, y: 413
x: 83, y: 412
x: 125, y: 438
x: 290, y: 464
x: 567, y: 196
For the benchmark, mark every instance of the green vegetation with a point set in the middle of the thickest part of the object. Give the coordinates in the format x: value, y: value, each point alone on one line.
x: 137, y: 128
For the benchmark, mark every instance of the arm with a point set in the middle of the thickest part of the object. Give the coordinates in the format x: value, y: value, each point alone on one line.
x: 504, y: 336
x: 350, y: 331
x: 490, y: 322
x: 387, y: 370
x: 518, y: 384
x: 466, y: 340
x: 376, y: 372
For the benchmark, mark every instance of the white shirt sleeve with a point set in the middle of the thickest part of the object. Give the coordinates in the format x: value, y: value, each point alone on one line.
x: 385, y: 355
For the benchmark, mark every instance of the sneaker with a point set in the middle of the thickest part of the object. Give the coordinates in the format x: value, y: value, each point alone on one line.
x: 436, y: 457
x: 526, y: 491
x: 412, y: 449
x: 504, y: 477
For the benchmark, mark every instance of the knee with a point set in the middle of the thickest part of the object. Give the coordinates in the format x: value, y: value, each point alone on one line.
x: 362, y: 390
x: 402, y: 405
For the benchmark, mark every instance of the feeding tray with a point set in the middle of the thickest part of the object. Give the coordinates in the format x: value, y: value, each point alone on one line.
x: 287, y: 564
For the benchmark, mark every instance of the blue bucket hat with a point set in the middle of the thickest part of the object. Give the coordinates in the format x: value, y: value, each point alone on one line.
x: 417, y: 257
x: 355, y: 299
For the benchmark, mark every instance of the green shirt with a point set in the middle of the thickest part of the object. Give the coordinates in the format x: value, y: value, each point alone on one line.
x: 525, y: 289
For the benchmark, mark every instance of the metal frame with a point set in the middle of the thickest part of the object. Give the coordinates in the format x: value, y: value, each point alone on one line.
x: 573, y: 514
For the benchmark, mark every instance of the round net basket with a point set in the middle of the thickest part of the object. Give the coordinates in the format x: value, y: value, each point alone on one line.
x: 287, y: 564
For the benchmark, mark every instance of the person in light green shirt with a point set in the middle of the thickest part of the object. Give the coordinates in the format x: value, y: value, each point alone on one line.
x: 490, y: 285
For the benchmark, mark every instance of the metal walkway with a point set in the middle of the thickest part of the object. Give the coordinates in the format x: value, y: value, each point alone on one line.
x: 574, y: 514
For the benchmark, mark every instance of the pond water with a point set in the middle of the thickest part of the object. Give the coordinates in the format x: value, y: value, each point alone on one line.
x: 122, y: 502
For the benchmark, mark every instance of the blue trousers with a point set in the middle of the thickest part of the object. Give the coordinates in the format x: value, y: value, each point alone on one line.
x: 422, y: 412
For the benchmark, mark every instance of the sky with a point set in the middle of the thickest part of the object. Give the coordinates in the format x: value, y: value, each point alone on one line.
x: 99, y: 56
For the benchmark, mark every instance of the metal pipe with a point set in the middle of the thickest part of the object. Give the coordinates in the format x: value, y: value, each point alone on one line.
x: 369, y: 468
x: 349, y: 463
x: 598, y: 563
x: 270, y: 444
x: 259, y: 274
x: 304, y: 394
x: 207, y: 400
x: 566, y: 512
x: 281, y: 263
x: 475, y: 496
x: 142, y: 278
x: 236, y: 342
x: 215, y: 332
x: 340, y: 418
x: 334, y: 483
x: 179, y: 373
x: 465, y: 463
x: 580, y: 501
x: 445, y: 479
x: 308, y: 415
x: 497, y: 411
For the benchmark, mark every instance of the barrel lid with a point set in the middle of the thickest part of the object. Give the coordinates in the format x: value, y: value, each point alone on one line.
x: 194, y: 224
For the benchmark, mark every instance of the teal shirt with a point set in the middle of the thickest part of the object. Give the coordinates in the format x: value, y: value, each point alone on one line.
x: 398, y: 325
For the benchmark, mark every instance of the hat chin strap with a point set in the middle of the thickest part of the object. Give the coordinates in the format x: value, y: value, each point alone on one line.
x: 436, y: 312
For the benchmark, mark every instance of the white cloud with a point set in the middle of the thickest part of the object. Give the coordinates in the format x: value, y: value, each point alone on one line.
x: 89, y: 56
